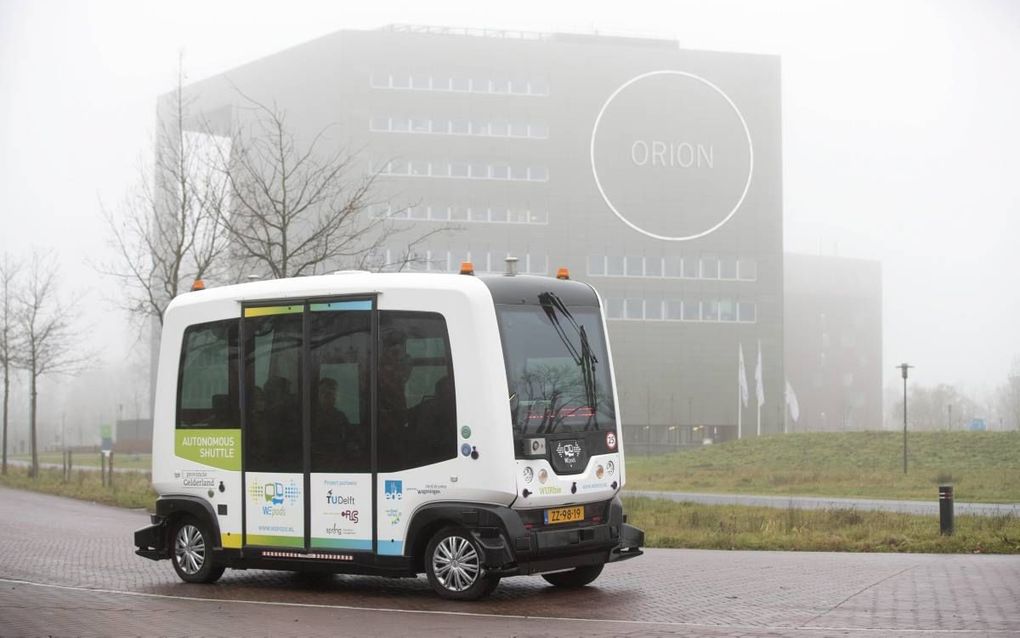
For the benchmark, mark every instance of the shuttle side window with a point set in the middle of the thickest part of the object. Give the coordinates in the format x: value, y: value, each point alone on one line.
x: 340, y: 349
x: 207, y: 393
x: 417, y: 398
x: 273, y: 387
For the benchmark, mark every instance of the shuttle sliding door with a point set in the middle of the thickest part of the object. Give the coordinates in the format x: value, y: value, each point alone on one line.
x: 340, y: 479
x: 273, y: 439
x: 308, y: 377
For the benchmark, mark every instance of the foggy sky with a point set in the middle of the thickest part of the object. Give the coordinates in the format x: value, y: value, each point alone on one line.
x: 900, y: 134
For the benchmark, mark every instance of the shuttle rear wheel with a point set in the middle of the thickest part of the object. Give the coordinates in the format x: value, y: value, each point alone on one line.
x: 453, y: 564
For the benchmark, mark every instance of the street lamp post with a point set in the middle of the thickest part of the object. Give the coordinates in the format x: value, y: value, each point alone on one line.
x: 904, y: 367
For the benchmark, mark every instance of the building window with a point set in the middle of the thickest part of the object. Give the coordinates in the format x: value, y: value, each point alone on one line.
x: 446, y: 83
x: 653, y: 266
x: 728, y: 268
x: 691, y: 310
x: 635, y: 266
x: 691, y: 268
x: 653, y: 309
x: 674, y: 310
x: 727, y: 310
x: 709, y: 268
x: 746, y: 312
x: 614, y: 308
x: 633, y: 309
x: 674, y: 266
x: 710, y: 310
x: 597, y: 265
x: 747, y: 269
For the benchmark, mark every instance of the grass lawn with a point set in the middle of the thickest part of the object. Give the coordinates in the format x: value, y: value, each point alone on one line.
x: 668, y: 524
x: 83, y: 459
x: 983, y: 466
x: 129, y: 489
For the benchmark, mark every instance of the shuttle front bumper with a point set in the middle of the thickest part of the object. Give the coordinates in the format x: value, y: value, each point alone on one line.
x: 524, y: 550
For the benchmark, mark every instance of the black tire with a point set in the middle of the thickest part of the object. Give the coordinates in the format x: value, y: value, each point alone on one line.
x: 453, y: 564
x: 191, y: 551
x: 574, y: 578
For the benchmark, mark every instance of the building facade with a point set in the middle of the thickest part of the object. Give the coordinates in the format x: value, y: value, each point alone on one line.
x: 834, y: 342
x: 650, y: 171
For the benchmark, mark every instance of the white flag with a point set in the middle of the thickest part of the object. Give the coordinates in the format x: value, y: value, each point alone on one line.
x: 791, y: 402
x: 742, y: 378
x: 759, y: 384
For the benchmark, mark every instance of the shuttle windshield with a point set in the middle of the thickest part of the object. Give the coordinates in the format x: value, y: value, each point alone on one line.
x: 557, y: 368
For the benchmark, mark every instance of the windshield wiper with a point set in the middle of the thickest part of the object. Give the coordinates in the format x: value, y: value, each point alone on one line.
x: 583, y: 358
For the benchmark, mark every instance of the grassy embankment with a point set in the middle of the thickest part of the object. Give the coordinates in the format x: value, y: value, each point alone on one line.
x: 690, y: 525
x: 91, y: 459
x: 983, y: 466
x: 129, y: 489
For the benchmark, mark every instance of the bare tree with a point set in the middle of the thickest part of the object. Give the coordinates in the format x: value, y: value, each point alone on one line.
x: 9, y: 336
x: 167, y: 234
x: 50, y: 343
x: 297, y: 209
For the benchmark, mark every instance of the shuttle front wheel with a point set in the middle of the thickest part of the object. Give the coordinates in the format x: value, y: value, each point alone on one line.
x: 453, y: 564
x: 574, y: 578
x: 191, y: 552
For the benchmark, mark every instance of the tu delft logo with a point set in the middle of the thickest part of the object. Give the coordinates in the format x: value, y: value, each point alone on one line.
x: 394, y: 490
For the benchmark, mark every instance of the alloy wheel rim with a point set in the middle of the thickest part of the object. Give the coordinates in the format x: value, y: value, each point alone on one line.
x: 189, y: 549
x: 455, y: 563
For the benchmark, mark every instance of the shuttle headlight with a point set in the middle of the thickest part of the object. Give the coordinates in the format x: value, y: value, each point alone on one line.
x: 610, y: 468
x: 543, y: 476
x: 529, y: 475
x: 599, y: 471
x: 534, y: 447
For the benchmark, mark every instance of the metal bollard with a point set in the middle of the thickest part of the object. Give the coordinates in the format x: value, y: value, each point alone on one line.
x: 946, y: 510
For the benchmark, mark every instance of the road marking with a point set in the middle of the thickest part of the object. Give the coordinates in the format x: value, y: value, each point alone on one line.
x: 470, y: 614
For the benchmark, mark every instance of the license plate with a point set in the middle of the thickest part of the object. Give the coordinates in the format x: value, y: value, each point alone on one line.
x: 564, y: 515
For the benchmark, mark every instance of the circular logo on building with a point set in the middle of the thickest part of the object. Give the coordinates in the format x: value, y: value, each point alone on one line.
x: 671, y: 155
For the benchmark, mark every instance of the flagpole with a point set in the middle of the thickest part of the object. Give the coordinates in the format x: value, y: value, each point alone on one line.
x: 759, y: 419
x: 740, y: 427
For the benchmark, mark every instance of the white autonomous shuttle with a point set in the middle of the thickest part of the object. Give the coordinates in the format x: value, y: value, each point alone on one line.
x: 392, y: 424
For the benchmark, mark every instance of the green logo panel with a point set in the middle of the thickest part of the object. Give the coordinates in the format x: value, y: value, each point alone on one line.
x: 215, y: 448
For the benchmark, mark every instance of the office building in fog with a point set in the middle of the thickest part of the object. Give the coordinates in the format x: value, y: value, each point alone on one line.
x: 651, y: 171
x: 833, y: 344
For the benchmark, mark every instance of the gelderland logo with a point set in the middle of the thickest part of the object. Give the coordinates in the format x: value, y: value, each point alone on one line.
x: 394, y: 490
